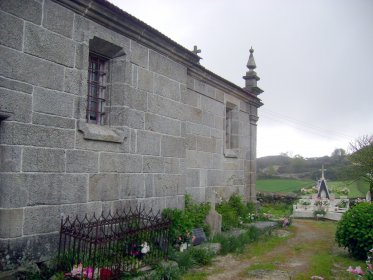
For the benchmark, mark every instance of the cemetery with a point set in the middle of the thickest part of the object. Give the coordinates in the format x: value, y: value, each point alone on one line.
x: 322, y: 204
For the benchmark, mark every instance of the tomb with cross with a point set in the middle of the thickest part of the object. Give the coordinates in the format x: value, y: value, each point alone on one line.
x: 323, y: 191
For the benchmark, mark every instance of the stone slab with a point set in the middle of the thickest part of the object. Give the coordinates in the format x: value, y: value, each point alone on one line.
x: 48, y: 45
x: 11, y: 222
x: 16, y: 65
x: 148, y: 143
x: 10, y: 158
x: 58, y: 19
x: 13, y: 190
x: 17, y: 103
x: 165, y: 66
x: 120, y: 163
x: 173, y: 146
x: 153, y: 164
x: 11, y: 31
x: 132, y: 186
x: 162, y: 124
x: 43, y: 160
x: 33, y: 135
x: 52, y: 189
x: 78, y: 161
x: 26, y: 9
x: 103, y: 187
x: 15, y: 85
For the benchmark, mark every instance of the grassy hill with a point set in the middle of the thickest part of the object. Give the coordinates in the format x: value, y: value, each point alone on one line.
x: 357, y: 188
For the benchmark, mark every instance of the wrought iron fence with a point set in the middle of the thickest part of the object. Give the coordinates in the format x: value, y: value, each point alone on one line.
x: 107, y: 246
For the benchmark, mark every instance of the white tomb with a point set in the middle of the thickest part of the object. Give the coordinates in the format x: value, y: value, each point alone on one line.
x: 323, y: 204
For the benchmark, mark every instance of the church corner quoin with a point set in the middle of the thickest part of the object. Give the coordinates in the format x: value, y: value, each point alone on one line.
x: 99, y: 112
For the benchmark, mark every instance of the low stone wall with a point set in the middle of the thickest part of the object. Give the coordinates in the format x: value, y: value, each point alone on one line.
x: 264, y: 197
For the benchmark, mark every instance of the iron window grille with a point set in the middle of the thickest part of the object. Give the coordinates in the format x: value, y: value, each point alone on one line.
x: 97, y: 75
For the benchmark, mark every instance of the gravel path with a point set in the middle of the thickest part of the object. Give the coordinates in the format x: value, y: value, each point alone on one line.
x: 290, y: 258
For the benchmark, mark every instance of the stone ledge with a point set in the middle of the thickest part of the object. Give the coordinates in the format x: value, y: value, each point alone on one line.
x: 231, y: 153
x: 100, y: 132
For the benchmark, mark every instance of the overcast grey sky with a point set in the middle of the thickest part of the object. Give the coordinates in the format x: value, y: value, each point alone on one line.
x: 314, y: 58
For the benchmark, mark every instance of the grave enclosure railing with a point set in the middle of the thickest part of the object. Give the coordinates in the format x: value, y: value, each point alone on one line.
x: 105, y: 247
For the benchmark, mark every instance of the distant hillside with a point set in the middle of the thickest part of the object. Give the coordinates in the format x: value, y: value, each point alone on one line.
x: 338, y: 167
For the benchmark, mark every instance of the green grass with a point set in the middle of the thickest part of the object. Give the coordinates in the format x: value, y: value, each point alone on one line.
x: 261, y: 266
x: 357, y: 188
x: 195, y: 276
x: 278, y: 210
x: 282, y: 185
x: 264, y: 245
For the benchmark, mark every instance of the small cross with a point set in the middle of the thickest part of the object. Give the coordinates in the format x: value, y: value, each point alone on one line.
x: 196, y: 50
x: 322, y: 172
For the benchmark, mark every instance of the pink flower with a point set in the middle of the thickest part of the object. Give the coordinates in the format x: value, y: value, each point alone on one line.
x: 88, y: 272
x: 370, y: 266
x: 350, y: 269
x: 358, y: 270
x: 77, y: 270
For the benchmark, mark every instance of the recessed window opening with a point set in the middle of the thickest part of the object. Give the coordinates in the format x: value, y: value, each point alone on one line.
x: 228, y: 127
x: 97, y: 76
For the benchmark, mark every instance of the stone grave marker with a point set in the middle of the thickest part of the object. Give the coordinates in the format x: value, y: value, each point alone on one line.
x: 198, y: 236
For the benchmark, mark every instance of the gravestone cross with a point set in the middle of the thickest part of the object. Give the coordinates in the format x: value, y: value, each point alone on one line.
x: 322, y: 171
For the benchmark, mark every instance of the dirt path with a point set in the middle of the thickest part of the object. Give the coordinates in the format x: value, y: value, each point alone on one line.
x: 289, y: 258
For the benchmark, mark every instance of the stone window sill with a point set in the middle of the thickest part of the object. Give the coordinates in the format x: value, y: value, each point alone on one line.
x: 231, y: 153
x: 100, y: 132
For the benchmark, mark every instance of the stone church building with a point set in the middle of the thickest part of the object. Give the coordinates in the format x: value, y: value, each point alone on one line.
x: 99, y: 111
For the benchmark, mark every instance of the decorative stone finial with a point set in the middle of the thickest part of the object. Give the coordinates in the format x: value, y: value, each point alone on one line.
x: 251, y: 63
x: 251, y: 77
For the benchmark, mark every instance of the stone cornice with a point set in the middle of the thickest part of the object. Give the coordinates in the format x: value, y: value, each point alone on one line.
x: 201, y: 73
x: 112, y: 17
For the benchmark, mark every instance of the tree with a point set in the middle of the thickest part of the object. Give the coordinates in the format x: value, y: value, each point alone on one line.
x: 339, y: 153
x: 298, y: 163
x: 362, y: 157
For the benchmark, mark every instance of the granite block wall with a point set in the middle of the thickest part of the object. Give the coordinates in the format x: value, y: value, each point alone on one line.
x: 164, y: 134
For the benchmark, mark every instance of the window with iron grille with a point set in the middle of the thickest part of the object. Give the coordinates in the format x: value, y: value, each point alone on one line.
x: 97, y: 75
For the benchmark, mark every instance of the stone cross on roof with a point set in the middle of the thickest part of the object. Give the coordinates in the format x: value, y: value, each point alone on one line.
x: 196, y: 50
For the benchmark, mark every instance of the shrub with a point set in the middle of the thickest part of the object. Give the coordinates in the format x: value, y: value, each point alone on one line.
x: 319, y: 212
x: 202, y: 256
x: 235, y: 212
x: 184, y: 259
x: 192, y: 257
x: 355, y: 230
x: 166, y: 272
x: 183, y: 221
x: 234, y: 244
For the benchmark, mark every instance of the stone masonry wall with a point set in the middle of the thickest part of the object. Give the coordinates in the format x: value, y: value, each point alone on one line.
x: 170, y: 126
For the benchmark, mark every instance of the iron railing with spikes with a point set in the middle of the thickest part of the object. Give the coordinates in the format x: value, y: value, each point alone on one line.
x: 107, y: 246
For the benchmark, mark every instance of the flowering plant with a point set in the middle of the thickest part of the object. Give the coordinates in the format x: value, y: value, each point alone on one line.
x: 342, y: 204
x: 325, y: 203
x: 368, y: 275
x: 340, y: 191
x: 308, y: 190
x: 318, y: 203
x: 305, y: 202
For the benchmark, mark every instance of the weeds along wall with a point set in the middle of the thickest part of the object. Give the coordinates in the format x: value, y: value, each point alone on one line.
x: 99, y: 112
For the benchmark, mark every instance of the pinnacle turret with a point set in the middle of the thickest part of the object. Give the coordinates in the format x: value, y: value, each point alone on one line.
x: 251, y: 77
